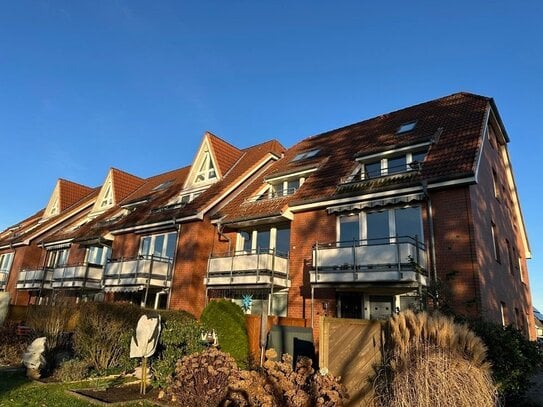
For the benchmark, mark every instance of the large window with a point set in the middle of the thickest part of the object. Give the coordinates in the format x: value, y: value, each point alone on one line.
x: 378, y: 227
x: 381, y: 227
x: 57, y: 258
x: 98, y: 254
x: 262, y: 240
x: 160, y: 245
x: 349, y: 230
x: 206, y: 171
x: 5, y: 265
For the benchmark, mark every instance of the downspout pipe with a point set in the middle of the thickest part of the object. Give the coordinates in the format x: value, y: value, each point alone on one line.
x: 168, y: 301
x: 432, y: 236
x: 221, y: 234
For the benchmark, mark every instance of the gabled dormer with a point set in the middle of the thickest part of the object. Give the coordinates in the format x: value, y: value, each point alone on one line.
x: 213, y: 159
x: 64, y: 195
x: 117, y: 186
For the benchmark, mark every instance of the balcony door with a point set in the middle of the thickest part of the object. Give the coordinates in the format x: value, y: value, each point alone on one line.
x: 160, y: 245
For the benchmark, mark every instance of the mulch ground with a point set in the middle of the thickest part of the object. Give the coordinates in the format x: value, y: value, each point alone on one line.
x: 120, y: 394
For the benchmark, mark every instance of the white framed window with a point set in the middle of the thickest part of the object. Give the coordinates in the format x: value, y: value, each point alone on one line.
x: 98, y: 254
x: 5, y: 265
x: 107, y: 200
x: 381, y: 226
x: 206, y: 169
x: 264, y: 240
x: 159, y: 245
x: 57, y: 258
x: 520, y: 269
x: 285, y: 188
x: 392, y: 165
x: 54, y: 207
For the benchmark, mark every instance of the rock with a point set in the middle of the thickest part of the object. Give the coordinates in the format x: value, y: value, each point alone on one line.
x: 161, y: 394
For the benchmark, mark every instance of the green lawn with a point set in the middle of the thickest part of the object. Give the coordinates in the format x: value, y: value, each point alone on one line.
x: 17, y: 390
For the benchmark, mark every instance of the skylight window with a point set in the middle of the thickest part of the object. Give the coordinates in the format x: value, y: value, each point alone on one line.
x: 406, y: 127
x: 306, y: 154
x: 163, y: 185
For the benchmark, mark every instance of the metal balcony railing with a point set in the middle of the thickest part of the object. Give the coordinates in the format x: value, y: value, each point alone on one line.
x: 78, y: 276
x: 137, y: 272
x: 260, y: 267
x: 35, y: 279
x: 389, y: 259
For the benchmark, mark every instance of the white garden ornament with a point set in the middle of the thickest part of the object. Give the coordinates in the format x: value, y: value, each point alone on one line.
x: 145, y: 343
x: 33, y: 357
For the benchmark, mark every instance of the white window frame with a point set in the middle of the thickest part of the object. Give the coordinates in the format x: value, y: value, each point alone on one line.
x: 384, y: 162
x: 57, y: 257
x: 105, y: 255
x: 107, y: 199
x: 206, y: 169
x: 363, y: 223
x: 240, y: 241
x: 6, y: 260
x: 153, y: 237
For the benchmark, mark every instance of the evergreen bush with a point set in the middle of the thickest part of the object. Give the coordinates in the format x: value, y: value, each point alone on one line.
x: 513, y: 357
x: 180, y: 336
x: 228, y: 321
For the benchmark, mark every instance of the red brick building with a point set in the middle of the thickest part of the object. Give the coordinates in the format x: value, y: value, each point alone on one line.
x: 413, y: 208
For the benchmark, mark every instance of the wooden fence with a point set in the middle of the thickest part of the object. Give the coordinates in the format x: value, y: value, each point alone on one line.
x: 253, y: 329
x: 350, y: 348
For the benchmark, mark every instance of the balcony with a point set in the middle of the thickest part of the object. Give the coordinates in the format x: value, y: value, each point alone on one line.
x: 78, y: 276
x: 137, y: 273
x: 35, y: 279
x: 3, y: 279
x: 387, y: 260
x: 263, y: 268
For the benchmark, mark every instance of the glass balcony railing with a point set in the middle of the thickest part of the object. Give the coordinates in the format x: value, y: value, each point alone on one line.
x: 136, y: 273
x: 391, y: 259
x: 262, y: 267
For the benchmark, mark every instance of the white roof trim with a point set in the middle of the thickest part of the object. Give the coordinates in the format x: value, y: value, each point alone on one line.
x: 484, y: 139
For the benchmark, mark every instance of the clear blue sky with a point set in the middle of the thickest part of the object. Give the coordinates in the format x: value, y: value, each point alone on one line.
x: 88, y: 85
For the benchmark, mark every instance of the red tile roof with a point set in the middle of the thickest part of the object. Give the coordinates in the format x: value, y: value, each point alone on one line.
x: 225, y: 153
x: 124, y: 184
x: 457, y: 119
x: 71, y: 192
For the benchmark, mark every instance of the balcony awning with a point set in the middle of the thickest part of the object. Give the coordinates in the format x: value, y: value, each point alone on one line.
x: 375, y: 203
x: 124, y: 289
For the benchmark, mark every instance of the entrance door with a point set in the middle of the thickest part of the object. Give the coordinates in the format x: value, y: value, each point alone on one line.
x: 351, y: 305
x: 380, y: 307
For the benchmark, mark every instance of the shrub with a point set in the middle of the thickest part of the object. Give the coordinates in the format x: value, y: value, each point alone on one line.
x: 513, y: 357
x: 12, y: 346
x: 429, y: 358
x: 201, y: 379
x: 103, y: 332
x: 180, y: 336
x: 277, y: 384
x: 72, y: 370
x: 228, y: 321
x: 52, y: 322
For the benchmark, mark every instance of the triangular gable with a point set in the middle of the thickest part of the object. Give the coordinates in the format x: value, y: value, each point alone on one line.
x: 205, y: 169
x: 64, y: 195
x: 226, y: 154
x: 117, y: 186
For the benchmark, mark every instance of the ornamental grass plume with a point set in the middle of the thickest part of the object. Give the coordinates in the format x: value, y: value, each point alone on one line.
x: 430, y: 360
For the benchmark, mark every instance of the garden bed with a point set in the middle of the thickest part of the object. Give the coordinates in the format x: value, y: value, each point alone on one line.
x: 117, y: 395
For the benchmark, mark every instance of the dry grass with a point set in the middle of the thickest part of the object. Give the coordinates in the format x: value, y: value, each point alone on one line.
x: 431, y: 361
